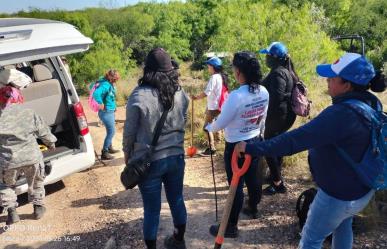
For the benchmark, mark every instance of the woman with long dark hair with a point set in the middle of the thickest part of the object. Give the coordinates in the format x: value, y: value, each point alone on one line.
x: 159, y: 90
x: 243, y: 118
x: 340, y: 129
x: 280, y: 116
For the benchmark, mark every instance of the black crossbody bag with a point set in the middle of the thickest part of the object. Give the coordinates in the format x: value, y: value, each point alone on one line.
x: 137, y: 167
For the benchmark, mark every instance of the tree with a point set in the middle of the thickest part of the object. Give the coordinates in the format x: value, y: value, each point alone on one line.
x: 369, y: 19
x: 263, y: 22
x: 134, y: 27
x: 107, y: 52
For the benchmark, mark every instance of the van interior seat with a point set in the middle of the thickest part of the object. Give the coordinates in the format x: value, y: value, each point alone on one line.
x: 45, y: 96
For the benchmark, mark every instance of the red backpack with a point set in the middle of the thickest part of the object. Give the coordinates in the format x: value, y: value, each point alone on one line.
x: 223, y: 96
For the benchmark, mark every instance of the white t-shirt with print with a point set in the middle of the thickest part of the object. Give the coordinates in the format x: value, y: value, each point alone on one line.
x: 243, y: 114
x: 213, y: 91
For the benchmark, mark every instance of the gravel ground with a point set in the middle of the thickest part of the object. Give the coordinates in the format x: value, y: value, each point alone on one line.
x: 91, y: 210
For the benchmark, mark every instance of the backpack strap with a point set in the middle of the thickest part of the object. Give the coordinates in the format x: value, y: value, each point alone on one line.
x: 291, y: 82
x: 111, y: 89
x: 367, y: 114
x: 362, y: 109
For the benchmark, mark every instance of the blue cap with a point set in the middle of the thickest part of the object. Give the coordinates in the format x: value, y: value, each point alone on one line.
x: 276, y: 49
x: 215, y: 62
x: 352, y: 67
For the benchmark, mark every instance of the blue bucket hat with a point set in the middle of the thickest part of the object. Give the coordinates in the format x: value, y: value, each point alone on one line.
x: 215, y: 62
x: 276, y: 49
x: 351, y: 66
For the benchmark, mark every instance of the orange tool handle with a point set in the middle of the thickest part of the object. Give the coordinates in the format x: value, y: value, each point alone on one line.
x: 236, y: 171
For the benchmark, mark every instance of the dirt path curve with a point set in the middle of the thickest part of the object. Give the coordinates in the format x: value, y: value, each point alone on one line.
x: 92, y: 209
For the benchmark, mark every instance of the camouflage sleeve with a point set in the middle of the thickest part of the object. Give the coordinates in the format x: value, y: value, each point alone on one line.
x: 42, y: 131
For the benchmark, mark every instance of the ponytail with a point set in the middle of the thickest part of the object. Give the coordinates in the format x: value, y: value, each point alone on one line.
x: 291, y: 69
x: 253, y: 74
x: 286, y: 62
x: 220, y: 71
x: 378, y: 83
x: 249, y: 65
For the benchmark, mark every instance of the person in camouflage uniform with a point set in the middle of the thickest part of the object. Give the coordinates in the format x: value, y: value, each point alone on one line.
x: 20, y: 153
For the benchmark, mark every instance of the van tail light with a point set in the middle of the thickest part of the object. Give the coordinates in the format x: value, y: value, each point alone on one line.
x: 81, y: 118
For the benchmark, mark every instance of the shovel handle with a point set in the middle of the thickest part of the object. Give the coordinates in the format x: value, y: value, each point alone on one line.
x: 192, y: 120
x: 226, y: 214
x: 236, y: 171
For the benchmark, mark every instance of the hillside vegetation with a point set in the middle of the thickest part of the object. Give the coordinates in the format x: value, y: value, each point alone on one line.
x: 122, y: 37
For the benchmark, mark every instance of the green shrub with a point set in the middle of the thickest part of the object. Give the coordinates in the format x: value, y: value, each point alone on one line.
x: 106, y: 52
x: 264, y: 22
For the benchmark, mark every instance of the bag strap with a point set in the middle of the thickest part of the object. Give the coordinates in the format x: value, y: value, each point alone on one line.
x: 364, y: 111
x: 159, y: 127
x: 361, y: 108
x: 111, y: 89
x: 346, y: 157
x: 288, y: 94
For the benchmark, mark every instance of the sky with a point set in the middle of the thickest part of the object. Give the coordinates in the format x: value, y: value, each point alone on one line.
x: 12, y: 6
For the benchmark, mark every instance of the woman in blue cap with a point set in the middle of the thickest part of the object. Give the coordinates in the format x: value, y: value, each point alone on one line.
x: 341, y: 194
x: 280, y: 116
x: 213, y: 93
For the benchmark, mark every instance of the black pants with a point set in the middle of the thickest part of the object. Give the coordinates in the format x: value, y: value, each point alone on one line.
x: 273, y: 129
x: 253, y: 179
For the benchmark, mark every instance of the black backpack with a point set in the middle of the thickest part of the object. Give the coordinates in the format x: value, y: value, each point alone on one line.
x: 303, y: 202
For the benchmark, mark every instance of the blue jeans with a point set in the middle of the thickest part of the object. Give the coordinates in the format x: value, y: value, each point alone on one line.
x: 253, y: 179
x: 328, y: 215
x: 169, y: 171
x: 108, y: 119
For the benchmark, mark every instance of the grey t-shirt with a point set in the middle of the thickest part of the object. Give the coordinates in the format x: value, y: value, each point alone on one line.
x: 143, y: 111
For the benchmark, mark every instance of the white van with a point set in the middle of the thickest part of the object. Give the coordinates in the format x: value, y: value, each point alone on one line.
x: 34, y: 46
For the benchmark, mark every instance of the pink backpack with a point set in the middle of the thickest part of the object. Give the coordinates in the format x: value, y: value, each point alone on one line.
x: 94, y: 106
x: 299, y: 100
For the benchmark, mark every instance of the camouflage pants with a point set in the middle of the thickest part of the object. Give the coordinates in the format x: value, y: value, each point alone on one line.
x: 34, y: 175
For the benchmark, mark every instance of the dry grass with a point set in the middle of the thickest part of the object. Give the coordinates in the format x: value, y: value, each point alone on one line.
x: 383, y: 98
x: 126, y: 86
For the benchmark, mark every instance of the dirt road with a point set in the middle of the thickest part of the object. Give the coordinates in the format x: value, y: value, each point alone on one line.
x: 93, y: 211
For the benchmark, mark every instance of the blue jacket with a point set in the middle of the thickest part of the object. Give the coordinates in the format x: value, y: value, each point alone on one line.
x: 105, y: 94
x: 339, y: 125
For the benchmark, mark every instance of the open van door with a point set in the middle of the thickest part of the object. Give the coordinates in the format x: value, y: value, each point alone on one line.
x: 34, y: 46
x: 28, y: 39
